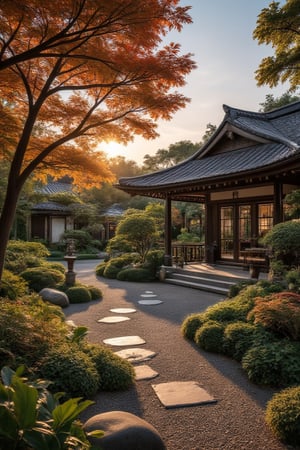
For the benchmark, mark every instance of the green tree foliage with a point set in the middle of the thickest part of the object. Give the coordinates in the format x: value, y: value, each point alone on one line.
x: 271, y: 102
x: 140, y: 230
x: 292, y: 204
x: 278, y: 25
x: 173, y: 155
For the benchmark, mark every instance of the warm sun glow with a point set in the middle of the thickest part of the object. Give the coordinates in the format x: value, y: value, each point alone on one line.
x: 113, y: 149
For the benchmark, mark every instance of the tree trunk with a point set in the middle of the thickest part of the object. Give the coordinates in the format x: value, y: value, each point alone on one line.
x: 6, y: 222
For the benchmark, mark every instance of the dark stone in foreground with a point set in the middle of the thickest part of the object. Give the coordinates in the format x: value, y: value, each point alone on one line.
x: 55, y: 297
x: 124, y: 431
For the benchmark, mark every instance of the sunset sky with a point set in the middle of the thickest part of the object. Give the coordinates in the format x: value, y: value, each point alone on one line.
x: 227, y: 56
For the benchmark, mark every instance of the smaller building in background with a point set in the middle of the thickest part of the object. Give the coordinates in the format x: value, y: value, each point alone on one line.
x: 110, y: 219
x: 48, y: 219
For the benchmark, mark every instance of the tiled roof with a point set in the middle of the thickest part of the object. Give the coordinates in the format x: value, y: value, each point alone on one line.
x: 56, y: 187
x: 281, y: 128
x: 51, y: 206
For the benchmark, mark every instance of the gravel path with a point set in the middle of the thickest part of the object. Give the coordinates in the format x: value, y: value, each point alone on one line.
x: 235, y: 422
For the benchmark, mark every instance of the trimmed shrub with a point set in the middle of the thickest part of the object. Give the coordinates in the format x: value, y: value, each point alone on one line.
x: 292, y: 278
x: 39, y: 278
x: 21, y: 255
x: 12, y: 286
x: 279, y: 313
x: 71, y: 371
x: 238, y: 338
x: 228, y: 311
x: 55, y: 265
x: 275, y: 364
x: 100, y: 269
x: 283, y: 415
x: 284, y: 239
x: 29, y: 328
x: 191, y: 324
x: 235, y: 289
x: 210, y: 337
x: 111, y: 271
x: 79, y: 294
x: 154, y: 259
x: 135, y: 274
x: 95, y: 292
x: 82, y: 239
x: 115, y: 373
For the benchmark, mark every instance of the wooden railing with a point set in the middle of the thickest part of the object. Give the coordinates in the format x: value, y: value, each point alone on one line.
x: 186, y: 253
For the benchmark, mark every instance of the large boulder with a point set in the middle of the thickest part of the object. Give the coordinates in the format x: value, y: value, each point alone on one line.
x: 123, y: 431
x: 55, y: 297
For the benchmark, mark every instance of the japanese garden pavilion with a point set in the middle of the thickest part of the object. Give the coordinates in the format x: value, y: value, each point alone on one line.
x: 241, y: 175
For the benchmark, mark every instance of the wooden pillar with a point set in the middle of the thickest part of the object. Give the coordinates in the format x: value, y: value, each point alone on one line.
x: 278, y: 203
x: 168, y: 232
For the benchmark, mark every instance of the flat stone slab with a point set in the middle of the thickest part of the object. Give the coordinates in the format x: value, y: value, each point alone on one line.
x: 136, y: 355
x: 144, y: 372
x: 125, y: 340
x: 123, y: 310
x: 113, y: 319
x: 148, y: 292
x: 148, y: 295
x: 178, y: 394
x: 149, y: 302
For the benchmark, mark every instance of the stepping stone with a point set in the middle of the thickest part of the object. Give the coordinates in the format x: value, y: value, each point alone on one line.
x: 125, y: 340
x: 113, y: 319
x: 144, y: 372
x: 182, y: 393
x: 123, y: 310
x: 148, y: 292
x: 148, y: 295
x: 149, y: 302
x: 136, y: 355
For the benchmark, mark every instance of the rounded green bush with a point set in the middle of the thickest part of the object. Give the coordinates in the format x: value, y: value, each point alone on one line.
x: 115, y: 373
x: 135, y: 274
x: 95, y: 292
x: 210, y: 337
x: 228, y: 311
x: 283, y: 415
x: 100, y: 269
x: 274, y: 363
x: 12, y: 286
x: 79, y: 294
x: 39, y: 278
x: 238, y: 338
x: 71, y: 371
x: 111, y: 271
x: 56, y: 266
x: 191, y: 324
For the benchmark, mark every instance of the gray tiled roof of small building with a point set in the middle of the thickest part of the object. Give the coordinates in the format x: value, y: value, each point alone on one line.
x: 50, y: 206
x: 56, y: 187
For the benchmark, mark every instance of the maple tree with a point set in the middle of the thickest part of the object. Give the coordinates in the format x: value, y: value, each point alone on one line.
x: 279, y: 25
x: 77, y: 72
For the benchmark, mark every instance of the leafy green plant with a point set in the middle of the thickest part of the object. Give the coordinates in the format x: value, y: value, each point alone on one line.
x: 29, y: 327
x: 274, y: 363
x: 32, y: 418
x: 96, y: 293
x: 191, y: 324
x: 12, y: 286
x: 154, y: 259
x: 21, y: 255
x: 210, y: 336
x: 235, y: 289
x: 39, y: 278
x: 284, y: 239
x: 71, y: 371
x: 78, y: 294
x: 135, y: 274
x: 292, y: 278
x: 100, y: 269
x: 283, y: 415
x: 279, y: 313
x: 238, y: 338
x: 115, y: 373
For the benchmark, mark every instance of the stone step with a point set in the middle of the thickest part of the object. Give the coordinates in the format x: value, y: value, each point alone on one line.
x: 200, y: 286
x: 210, y: 282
